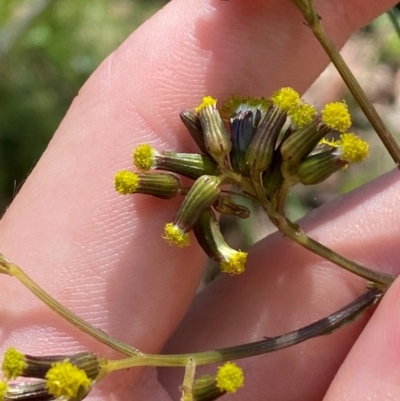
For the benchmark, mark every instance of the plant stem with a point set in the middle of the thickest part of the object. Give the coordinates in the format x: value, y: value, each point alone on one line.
x: 11, y: 269
x: 313, y: 21
x: 294, y: 232
x: 270, y: 344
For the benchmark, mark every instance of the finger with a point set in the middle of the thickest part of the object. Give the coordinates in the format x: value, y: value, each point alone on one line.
x: 285, y: 288
x: 90, y: 247
x: 371, y: 370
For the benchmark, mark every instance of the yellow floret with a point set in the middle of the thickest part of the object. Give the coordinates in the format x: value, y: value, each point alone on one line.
x: 126, y: 182
x: 353, y: 149
x: 3, y: 390
x: 286, y: 99
x: 329, y: 142
x: 336, y: 116
x: 234, y: 263
x: 143, y: 157
x: 66, y: 380
x: 207, y: 101
x: 302, y: 115
x: 175, y: 236
x: 229, y: 377
x: 14, y: 363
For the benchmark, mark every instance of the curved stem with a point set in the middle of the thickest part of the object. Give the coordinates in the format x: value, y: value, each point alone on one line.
x: 294, y: 232
x: 11, y: 269
x: 323, y: 326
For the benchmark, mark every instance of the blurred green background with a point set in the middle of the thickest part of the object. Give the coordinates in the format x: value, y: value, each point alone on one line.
x: 48, y: 48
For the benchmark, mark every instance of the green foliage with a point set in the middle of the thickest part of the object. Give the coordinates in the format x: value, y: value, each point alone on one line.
x: 47, y: 51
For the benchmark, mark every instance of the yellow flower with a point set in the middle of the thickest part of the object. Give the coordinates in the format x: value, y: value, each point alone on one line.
x: 3, y: 390
x: 143, y: 157
x: 126, y: 182
x: 353, y: 149
x: 229, y: 377
x: 234, y: 262
x: 176, y: 236
x: 66, y: 380
x: 302, y: 115
x: 336, y: 116
x: 286, y: 99
x: 13, y: 364
x: 207, y: 101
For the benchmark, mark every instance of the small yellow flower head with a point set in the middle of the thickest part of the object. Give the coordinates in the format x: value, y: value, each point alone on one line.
x: 336, y: 116
x: 66, y: 380
x: 174, y: 235
x: 126, y: 182
x: 229, y: 377
x: 3, y: 390
x: 143, y: 157
x: 302, y: 115
x: 286, y: 99
x: 14, y: 363
x: 234, y: 262
x: 352, y: 148
x: 207, y: 101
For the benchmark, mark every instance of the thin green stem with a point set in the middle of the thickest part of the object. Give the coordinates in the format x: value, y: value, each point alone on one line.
x: 11, y: 269
x: 270, y: 344
x: 294, y: 232
x: 313, y: 21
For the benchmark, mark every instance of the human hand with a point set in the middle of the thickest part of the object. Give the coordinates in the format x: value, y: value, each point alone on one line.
x: 102, y: 254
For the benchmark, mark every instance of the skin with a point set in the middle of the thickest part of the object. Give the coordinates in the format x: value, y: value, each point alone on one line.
x: 102, y: 255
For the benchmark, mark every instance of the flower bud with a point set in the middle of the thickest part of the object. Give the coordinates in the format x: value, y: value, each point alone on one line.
x: 28, y: 391
x: 262, y: 147
x: 17, y: 364
x: 210, y: 238
x: 242, y: 128
x: 162, y: 185
x: 189, y: 165
x: 336, y: 155
x: 204, y: 192
x: 216, y: 137
x: 317, y: 168
x: 192, y: 122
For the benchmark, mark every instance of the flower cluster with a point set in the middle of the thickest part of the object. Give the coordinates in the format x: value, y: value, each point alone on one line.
x: 272, y: 145
x: 50, y: 377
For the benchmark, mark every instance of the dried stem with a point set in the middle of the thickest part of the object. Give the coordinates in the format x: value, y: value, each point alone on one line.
x: 313, y: 21
x: 270, y: 344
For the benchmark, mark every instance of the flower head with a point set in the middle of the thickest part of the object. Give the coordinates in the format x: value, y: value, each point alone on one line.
x: 143, y: 157
x: 286, y: 99
x: 214, y: 245
x: 174, y: 235
x: 126, y: 182
x: 336, y: 116
x: 216, y: 138
x: 14, y: 363
x: 302, y: 115
x: 207, y: 101
x: 234, y: 261
x: 229, y: 377
x: 66, y: 380
x: 3, y: 390
x: 352, y: 148
x: 162, y: 185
